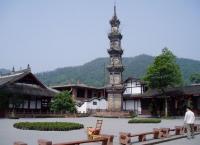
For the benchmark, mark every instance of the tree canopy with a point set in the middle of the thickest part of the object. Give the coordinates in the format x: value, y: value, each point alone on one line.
x: 164, y: 71
x: 63, y: 102
x: 195, y: 78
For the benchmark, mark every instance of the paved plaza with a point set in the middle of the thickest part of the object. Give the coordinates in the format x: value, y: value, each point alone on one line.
x: 184, y: 141
x: 112, y: 126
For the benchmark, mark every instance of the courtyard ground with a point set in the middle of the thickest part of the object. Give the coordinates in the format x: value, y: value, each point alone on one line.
x: 112, y: 126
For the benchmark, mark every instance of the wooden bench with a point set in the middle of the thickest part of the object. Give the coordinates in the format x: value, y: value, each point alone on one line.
x: 125, y: 138
x: 179, y: 130
x: 161, y: 132
x: 104, y: 139
x: 197, y: 127
x: 109, y: 137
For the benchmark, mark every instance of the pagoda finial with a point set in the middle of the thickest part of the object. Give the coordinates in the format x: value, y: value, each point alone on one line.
x: 115, y: 14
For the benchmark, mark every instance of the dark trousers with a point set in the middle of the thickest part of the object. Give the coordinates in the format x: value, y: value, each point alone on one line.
x: 190, y: 130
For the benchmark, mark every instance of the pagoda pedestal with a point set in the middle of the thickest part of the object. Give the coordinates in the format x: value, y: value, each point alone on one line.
x: 115, y: 98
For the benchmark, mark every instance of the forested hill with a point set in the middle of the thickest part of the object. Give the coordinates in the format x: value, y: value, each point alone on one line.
x: 4, y: 71
x: 95, y: 73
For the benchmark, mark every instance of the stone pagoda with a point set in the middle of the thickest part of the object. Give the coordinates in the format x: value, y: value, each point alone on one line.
x: 115, y: 67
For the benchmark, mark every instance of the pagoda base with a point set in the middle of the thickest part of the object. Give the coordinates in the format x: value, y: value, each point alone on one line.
x: 114, y: 102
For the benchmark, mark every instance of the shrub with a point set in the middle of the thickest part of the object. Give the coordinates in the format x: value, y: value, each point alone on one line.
x: 48, y: 126
x: 133, y: 114
x: 145, y: 120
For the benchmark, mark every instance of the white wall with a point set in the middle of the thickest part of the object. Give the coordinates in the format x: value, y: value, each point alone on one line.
x: 100, y: 104
x: 94, y: 104
x: 38, y: 104
x: 133, y: 89
x: 32, y: 104
x: 82, y: 108
x: 132, y: 105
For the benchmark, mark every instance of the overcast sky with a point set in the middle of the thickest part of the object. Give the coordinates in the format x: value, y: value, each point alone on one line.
x: 48, y: 34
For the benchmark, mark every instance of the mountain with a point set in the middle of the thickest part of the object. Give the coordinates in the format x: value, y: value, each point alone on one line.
x: 95, y: 73
x: 4, y: 71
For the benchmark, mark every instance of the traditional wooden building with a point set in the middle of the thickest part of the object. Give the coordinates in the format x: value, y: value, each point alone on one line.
x: 82, y: 92
x: 23, y: 92
x: 138, y: 98
x: 133, y: 91
x: 178, y: 99
x: 87, y: 98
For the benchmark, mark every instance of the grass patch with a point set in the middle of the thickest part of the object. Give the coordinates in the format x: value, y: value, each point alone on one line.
x: 145, y: 120
x: 48, y: 126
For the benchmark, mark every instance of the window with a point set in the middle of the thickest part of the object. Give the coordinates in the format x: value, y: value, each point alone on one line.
x: 94, y: 103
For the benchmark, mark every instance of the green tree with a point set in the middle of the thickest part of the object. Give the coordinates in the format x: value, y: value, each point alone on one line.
x: 195, y: 78
x: 163, y: 73
x: 63, y: 102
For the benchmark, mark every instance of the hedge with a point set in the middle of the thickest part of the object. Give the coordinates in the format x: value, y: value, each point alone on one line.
x: 48, y: 126
x: 145, y: 120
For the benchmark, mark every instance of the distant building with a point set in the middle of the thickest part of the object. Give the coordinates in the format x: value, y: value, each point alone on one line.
x: 82, y: 92
x: 87, y: 98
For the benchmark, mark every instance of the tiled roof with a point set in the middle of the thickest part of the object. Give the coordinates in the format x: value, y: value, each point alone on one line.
x: 185, y: 90
x: 12, y: 83
x: 11, y: 77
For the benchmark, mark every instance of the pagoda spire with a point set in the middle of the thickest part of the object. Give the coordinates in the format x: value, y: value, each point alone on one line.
x: 115, y: 14
x: 115, y: 21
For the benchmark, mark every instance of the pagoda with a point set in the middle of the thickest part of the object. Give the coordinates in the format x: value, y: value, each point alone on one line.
x: 115, y: 66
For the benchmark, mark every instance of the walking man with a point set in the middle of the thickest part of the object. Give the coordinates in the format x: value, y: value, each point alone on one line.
x: 189, y: 123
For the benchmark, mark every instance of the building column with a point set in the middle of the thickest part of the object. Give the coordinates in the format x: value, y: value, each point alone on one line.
x: 35, y: 102
x: 74, y: 93
x: 28, y: 104
x: 86, y: 93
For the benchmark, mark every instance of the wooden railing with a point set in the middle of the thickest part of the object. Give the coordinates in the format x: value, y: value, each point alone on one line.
x: 125, y: 138
x: 103, y: 139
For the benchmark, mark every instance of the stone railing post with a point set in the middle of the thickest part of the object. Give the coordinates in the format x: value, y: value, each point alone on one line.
x: 44, y: 142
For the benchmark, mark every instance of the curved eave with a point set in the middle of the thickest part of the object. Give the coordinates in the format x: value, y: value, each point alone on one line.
x: 115, y: 36
x: 115, y: 51
x: 15, y: 89
x: 114, y: 22
x: 119, y: 68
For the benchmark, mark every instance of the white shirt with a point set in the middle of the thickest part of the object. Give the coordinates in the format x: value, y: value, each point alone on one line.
x: 189, y: 117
